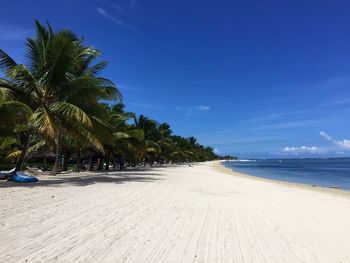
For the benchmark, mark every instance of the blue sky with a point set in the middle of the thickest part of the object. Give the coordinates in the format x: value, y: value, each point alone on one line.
x: 251, y: 78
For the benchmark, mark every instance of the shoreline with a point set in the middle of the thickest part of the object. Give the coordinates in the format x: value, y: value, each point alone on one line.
x: 221, y: 167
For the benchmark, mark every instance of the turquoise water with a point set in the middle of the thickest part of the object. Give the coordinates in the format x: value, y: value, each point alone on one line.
x: 319, y: 172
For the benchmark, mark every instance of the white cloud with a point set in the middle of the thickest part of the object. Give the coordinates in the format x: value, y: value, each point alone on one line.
x: 326, y: 136
x: 216, y: 151
x: 202, y: 108
x: 190, y: 110
x: 344, y: 144
x: 104, y: 13
x: 336, y: 147
x: 302, y: 149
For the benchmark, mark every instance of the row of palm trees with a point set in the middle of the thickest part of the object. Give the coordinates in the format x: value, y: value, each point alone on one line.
x: 54, y: 103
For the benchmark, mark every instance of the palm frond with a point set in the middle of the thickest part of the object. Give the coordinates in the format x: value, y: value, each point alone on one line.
x: 38, y: 145
x: 13, y: 154
x: 6, y: 61
x: 7, y: 142
x: 43, y: 122
x: 121, y: 135
x: 96, y: 69
x: 5, y: 94
x: 70, y: 112
x: 152, y: 147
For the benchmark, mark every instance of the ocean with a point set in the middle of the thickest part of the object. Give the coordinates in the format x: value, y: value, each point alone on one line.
x: 333, y: 172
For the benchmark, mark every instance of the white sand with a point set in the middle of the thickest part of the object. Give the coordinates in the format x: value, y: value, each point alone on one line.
x: 177, y: 214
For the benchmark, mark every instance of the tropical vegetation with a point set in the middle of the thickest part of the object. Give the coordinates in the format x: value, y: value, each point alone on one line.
x: 53, y: 111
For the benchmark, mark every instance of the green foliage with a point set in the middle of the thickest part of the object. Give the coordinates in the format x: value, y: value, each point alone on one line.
x: 55, y: 103
x: 8, y: 150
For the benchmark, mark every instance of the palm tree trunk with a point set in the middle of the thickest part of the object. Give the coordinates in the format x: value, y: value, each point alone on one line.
x: 57, y: 154
x: 20, y: 161
x: 107, y: 161
x: 91, y: 164
x: 77, y: 167
x: 113, y: 162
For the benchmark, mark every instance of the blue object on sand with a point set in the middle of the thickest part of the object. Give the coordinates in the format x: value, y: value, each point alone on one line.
x: 21, y: 177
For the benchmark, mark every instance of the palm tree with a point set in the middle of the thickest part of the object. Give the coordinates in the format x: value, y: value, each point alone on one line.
x: 60, y: 87
x: 129, y: 140
x: 57, y: 98
x: 13, y: 118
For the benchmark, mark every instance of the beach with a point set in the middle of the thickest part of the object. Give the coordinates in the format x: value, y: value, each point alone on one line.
x: 197, y: 213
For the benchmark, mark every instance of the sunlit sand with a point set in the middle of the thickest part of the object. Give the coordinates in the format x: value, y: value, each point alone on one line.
x: 173, y: 214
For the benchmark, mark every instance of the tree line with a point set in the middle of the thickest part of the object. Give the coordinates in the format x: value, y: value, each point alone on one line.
x: 54, y: 106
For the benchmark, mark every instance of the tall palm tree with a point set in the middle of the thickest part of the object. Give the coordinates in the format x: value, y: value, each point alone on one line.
x: 59, y: 85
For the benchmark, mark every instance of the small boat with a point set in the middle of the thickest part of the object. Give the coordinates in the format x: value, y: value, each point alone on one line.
x: 5, y: 174
x: 21, y: 177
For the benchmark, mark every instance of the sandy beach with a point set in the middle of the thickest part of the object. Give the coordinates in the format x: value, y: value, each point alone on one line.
x: 200, y: 213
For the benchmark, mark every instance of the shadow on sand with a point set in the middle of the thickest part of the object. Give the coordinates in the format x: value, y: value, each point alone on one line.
x: 90, y: 178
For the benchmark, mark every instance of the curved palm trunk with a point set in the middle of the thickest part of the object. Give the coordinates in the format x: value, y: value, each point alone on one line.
x: 20, y: 161
x: 57, y: 154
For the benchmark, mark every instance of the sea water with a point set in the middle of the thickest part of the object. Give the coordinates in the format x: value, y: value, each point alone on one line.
x: 333, y: 172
